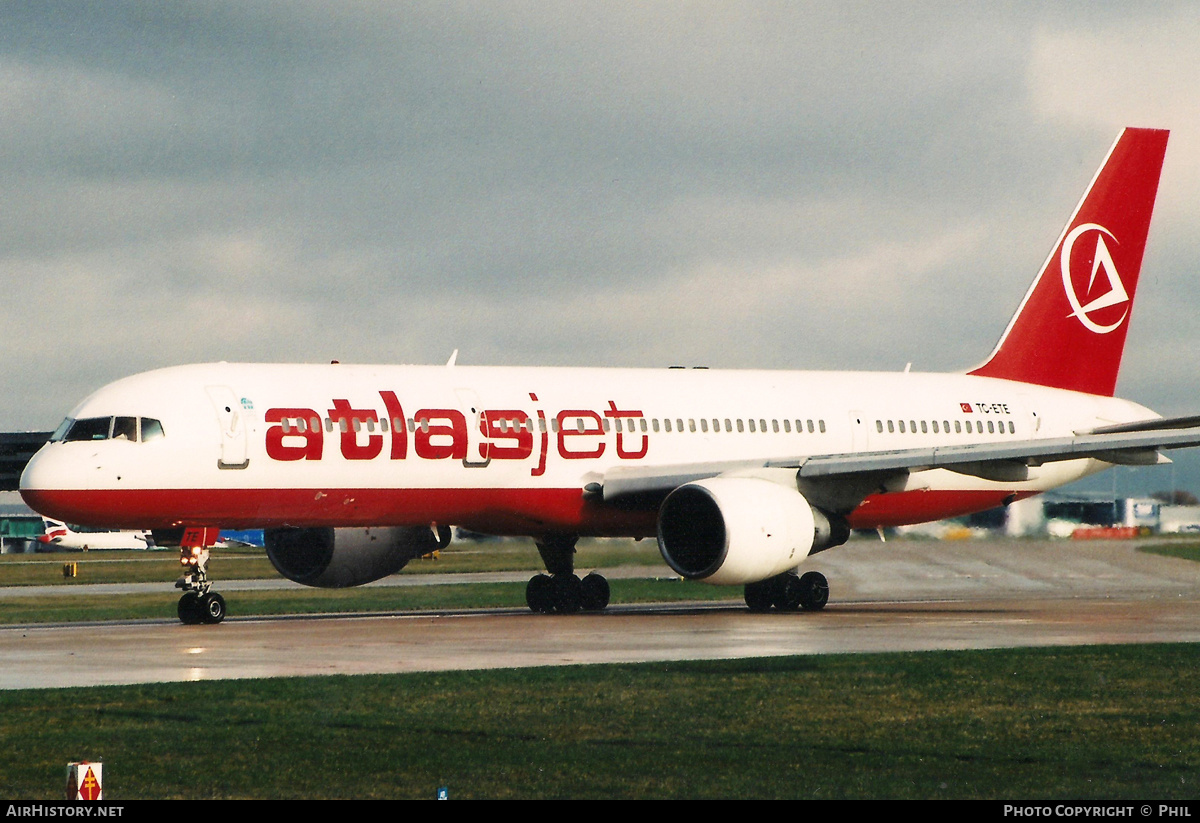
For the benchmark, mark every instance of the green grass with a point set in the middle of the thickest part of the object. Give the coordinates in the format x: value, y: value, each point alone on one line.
x: 1115, y: 722
x: 247, y: 564
x: 1185, y: 549
x: 450, y: 597
x: 250, y: 564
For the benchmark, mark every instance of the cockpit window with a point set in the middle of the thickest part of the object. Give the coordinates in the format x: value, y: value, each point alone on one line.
x: 90, y: 428
x: 105, y: 428
x: 124, y: 428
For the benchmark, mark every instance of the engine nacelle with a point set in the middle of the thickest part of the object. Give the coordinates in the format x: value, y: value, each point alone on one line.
x: 336, y: 558
x: 730, y: 530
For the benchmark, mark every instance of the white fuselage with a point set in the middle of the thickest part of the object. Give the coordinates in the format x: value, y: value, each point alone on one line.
x: 510, y: 450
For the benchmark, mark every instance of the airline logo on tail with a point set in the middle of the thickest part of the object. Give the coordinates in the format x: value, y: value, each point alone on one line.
x: 1101, y: 260
x: 1098, y: 259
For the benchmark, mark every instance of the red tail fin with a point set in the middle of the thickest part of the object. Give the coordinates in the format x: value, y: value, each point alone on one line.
x: 1070, y: 329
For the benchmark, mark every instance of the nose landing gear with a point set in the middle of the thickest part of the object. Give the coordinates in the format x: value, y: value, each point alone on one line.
x: 198, y: 604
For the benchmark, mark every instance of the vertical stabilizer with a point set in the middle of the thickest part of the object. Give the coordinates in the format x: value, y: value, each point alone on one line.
x: 1069, y: 331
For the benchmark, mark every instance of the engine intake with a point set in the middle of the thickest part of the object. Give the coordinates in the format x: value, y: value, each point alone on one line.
x: 330, y: 558
x: 731, y: 530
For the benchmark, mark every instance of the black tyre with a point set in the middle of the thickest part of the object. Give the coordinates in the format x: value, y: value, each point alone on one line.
x: 759, y: 596
x: 788, y: 592
x: 539, y: 594
x: 814, y: 591
x: 212, y: 608
x: 189, y: 609
x: 568, y: 593
x: 594, y: 593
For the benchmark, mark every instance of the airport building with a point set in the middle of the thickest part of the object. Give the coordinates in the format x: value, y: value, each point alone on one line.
x: 1067, y: 515
x: 20, y: 526
x: 15, y: 450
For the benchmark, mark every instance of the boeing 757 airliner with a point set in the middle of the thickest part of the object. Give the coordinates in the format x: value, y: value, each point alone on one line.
x: 353, y: 470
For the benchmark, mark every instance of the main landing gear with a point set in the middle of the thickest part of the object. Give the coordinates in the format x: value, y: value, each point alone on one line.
x: 562, y: 591
x: 788, y: 592
x: 199, y: 604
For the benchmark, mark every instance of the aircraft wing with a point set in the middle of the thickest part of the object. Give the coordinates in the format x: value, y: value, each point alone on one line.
x: 1136, y: 444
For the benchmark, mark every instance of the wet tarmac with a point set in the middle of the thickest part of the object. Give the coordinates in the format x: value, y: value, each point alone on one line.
x: 898, y: 596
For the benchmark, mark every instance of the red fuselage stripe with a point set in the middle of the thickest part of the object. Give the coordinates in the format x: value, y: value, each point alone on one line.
x: 498, y: 511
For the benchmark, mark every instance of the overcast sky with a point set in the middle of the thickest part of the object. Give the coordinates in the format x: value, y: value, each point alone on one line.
x: 826, y: 185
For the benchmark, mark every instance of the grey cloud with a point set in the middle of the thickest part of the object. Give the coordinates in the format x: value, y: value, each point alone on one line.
x: 780, y: 185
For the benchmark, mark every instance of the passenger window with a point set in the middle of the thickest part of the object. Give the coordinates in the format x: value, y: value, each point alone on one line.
x: 821, y: 425
x: 879, y: 426
x: 891, y: 427
x: 741, y: 427
x: 902, y: 427
x: 924, y: 428
x: 752, y: 429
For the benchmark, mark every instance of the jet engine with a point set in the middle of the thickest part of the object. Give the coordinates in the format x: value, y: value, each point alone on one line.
x: 730, y: 530
x: 336, y: 558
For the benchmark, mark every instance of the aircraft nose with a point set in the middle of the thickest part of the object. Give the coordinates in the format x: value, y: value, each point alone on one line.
x: 43, y: 481
x: 46, y: 469
x: 34, y: 475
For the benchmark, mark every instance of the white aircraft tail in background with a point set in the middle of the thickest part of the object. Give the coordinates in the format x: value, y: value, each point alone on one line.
x: 62, y: 537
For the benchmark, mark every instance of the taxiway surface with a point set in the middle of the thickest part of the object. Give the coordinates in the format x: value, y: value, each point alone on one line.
x: 902, y: 595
